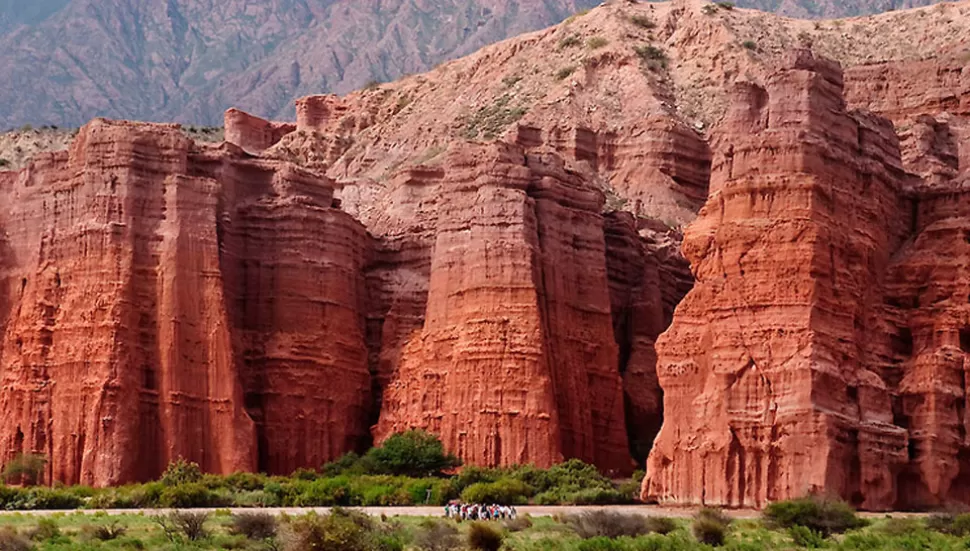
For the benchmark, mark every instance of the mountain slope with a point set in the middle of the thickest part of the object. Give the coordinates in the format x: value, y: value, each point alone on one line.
x: 188, y: 60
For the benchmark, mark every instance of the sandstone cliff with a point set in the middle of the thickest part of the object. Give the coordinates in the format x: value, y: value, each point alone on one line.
x: 157, y: 297
x: 784, y: 378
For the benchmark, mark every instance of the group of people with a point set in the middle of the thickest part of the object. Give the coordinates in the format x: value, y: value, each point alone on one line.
x: 465, y: 511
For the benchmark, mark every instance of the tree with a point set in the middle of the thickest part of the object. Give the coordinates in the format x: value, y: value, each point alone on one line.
x: 414, y: 453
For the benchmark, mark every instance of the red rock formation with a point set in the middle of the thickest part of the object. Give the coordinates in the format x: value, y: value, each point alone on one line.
x: 502, y: 359
x: 139, y: 307
x: 768, y: 373
x: 252, y: 133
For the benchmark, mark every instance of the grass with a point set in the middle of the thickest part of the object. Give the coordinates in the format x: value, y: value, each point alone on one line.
x: 75, y: 532
x: 490, y: 121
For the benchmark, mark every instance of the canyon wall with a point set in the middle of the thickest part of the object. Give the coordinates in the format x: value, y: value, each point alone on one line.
x: 806, y: 358
x: 149, y: 286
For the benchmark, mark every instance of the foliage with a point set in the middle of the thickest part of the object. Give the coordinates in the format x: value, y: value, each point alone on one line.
x: 725, y: 5
x: 710, y: 526
x: 45, y: 530
x: 642, y: 21
x: 806, y: 537
x: 504, y: 492
x: 25, y: 468
x: 600, y: 543
x: 180, y: 472
x: 484, y: 537
x: 437, y: 535
x: 255, y: 526
x: 518, y: 524
x: 596, y: 42
x: 108, y: 531
x: 340, y: 530
x: 189, y: 495
x: 654, y: 57
x: 660, y: 525
x: 488, y: 122
x: 823, y: 515
x: 609, y: 524
x: 949, y: 523
x: 569, y: 41
x: 565, y: 72
x: 10, y: 540
x: 750, y: 45
x: 709, y: 9
x: 187, y: 523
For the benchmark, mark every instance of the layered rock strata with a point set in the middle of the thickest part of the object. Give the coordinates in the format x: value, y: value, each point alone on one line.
x: 517, y: 329
x: 156, y: 296
x: 825, y: 371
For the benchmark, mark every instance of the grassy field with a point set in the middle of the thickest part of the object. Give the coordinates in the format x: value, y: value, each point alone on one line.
x: 350, y: 531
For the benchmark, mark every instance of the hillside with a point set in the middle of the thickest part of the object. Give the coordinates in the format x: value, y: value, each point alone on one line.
x: 189, y: 60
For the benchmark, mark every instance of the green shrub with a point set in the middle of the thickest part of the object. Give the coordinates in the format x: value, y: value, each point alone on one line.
x: 347, y: 463
x: 806, y: 537
x: 413, y: 453
x: 726, y: 5
x: 10, y: 540
x: 823, y: 515
x: 255, y: 526
x: 51, y: 499
x: 26, y: 469
x: 607, y: 524
x: 660, y: 525
x: 504, y: 492
x: 108, y: 531
x: 900, y: 526
x: 45, y: 530
x: 437, y: 535
x: 709, y: 9
x: 710, y: 526
x: 600, y: 543
x: 180, y: 472
x: 949, y: 523
x: 652, y: 55
x: 484, y: 537
x: 189, y: 495
x: 596, y: 42
x: 642, y: 21
x: 750, y: 45
x: 340, y: 530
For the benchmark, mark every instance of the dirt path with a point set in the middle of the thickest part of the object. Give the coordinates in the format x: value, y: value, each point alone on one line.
x: 536, y: 511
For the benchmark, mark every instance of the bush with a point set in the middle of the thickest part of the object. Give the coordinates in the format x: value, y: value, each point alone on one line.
x: 949, y: 523
x: 503, y: 492
x: 191, y: 524
x: 642, y: 21
x: 10, y: 540
x: 45, y: 530
x: 346, y: 463
x: 180, y: 472
x: 437, y: 535
x: 806, y: 537
x: 255, y: 526
x: 188, y: 496
x: 518, y: 524
x: 710, y: 526
x: 660, y: 525
x: 600, y: 543
x: 596, y: 42
x: 484, y: 537
x: 569, y: 42
x: 50, y: 499
x: 108, y: 531
x: 413, y: 453
x: 726, y: 5
x: 27, y: 469
x: 900, y: 526
x: 750, y: 45
x: 823, y: 515
x: 341, y: 530
x: 565, y: 72
x: 607, y: 524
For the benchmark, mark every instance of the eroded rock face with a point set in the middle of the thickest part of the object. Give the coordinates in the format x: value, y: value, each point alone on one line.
x: 252, y: 133
x: 806, y: 359
x: 156, y: 296
x: 517, y: 328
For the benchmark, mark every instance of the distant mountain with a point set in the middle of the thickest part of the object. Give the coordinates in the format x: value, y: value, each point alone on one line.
x: 67, y: 61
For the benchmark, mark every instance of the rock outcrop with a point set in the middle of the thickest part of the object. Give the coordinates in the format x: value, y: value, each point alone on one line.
x: 252, y: 133
x: 517, y: 328
x: 806, y: 359
x: 157, y: 296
